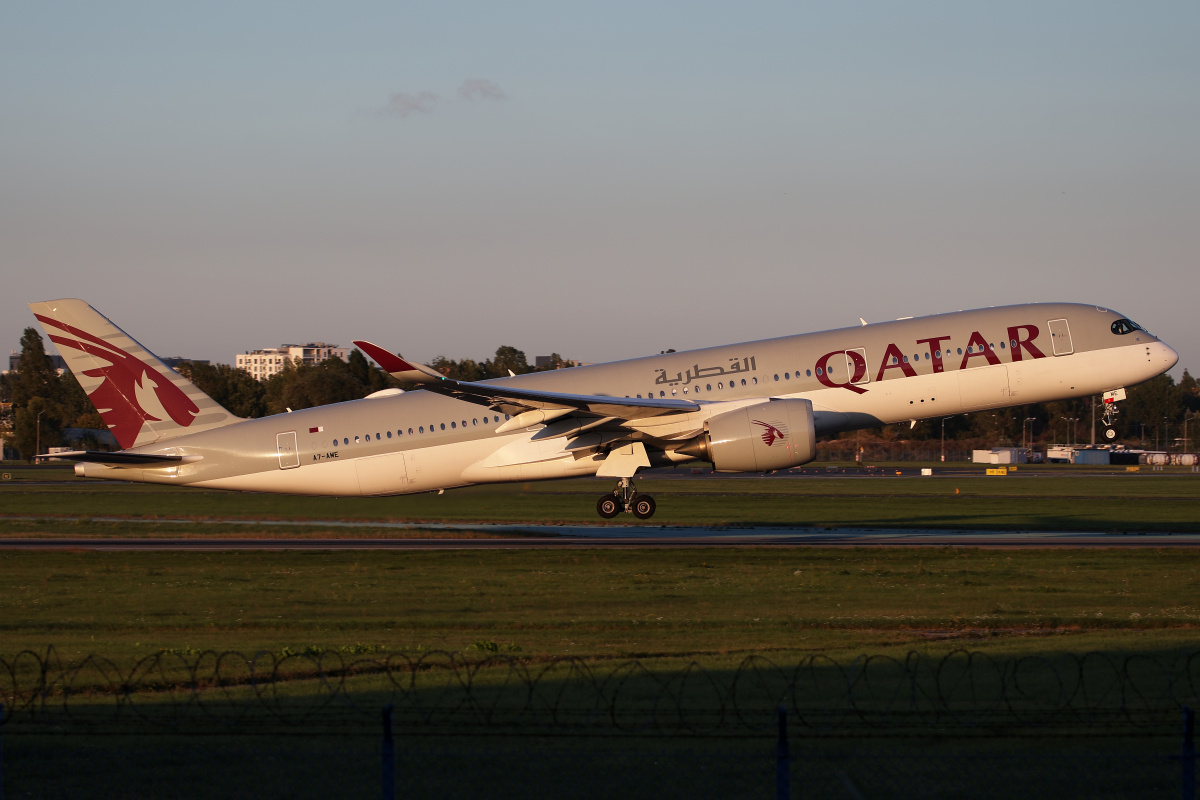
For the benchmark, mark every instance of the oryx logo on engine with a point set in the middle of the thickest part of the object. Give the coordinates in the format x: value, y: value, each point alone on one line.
x: 771, y: 433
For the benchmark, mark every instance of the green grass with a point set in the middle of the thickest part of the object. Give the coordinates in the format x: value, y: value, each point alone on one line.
x: 1055, y: 500
x: 714, y: 604
x: 665, y: 607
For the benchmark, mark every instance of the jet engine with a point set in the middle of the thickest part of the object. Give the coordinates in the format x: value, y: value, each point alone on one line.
x: 758, y: 438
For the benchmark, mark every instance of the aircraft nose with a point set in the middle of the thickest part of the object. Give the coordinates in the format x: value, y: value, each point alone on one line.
x: 1167, y: 354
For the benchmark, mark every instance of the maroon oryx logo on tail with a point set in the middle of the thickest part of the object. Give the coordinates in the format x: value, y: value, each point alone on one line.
x: 770, y: 432
x: 132, y: 392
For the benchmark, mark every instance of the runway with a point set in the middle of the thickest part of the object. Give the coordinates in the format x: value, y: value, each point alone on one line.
x: 555, y: 537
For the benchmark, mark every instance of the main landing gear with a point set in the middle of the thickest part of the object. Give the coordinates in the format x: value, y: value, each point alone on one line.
x: 626, y: 498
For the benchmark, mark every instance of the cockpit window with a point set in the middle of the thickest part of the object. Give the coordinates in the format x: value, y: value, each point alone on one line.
x: 1124, y: 326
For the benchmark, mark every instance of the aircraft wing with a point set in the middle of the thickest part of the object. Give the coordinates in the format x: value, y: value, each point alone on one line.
x: 513, y: 400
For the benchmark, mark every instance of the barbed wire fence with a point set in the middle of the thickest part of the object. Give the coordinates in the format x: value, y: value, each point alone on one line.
x: 813, y: 723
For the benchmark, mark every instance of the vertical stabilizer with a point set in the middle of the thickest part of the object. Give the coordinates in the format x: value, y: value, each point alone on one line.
x: 141, y: 399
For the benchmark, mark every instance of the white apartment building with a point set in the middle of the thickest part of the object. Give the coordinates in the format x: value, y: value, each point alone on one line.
x: 262, y: 364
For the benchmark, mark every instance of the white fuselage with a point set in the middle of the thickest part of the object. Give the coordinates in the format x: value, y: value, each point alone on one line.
x: 858, y: 377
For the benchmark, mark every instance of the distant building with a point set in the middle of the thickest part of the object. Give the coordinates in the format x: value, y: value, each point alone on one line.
x: 1001, y: 455
x: 174, y: 361
x: 262, y: 364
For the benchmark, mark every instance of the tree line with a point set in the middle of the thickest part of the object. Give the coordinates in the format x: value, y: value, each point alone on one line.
x: 1153, y: 417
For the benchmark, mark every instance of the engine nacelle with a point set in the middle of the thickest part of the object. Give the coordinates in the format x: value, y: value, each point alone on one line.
x: 759, y: 438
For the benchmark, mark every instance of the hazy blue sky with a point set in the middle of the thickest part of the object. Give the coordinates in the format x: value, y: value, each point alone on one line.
x: 604, y: 180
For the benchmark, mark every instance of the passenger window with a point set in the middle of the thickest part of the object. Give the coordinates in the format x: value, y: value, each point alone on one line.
x: 684, y: 390
x: 960, y: 351
x: 708, y: 387
x: 808, y: 373
x: 335, y: 442
x: 475, y: 421
x: 410, y: 433
x: 662, y: 394
x: 346, y: 441
x: 389, y: 434
x: 720, y: 384
x: 422, y: 429
x: 443, y: 426
x: 776, y: 376
x: 464, y: 423
x: 755, y: 381
x: 906, y: 359
x: 452, y: 425
x: 819, y: 373
x: 379, y: 438
x: 744, y: 381
x: 357, y: 440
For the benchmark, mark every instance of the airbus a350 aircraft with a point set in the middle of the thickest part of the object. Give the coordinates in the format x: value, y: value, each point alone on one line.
x: 750, y: 407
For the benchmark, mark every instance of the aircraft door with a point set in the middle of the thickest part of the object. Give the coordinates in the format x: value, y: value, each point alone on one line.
x: 289, y: 450
x: 1060, y: 336
x: 856, y: 365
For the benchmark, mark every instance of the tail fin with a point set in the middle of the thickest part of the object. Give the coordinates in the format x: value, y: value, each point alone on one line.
x: 141, y: 399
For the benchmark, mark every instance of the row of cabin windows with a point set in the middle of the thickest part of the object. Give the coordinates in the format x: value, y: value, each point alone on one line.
x: 419, y: 429
x: 696, y: 389
x: 808, y: 373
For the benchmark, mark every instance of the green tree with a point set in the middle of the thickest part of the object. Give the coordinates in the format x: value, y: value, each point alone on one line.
x: 37, y: 426
x: 464, y: 370
x: 507, y: 358
x: 235, y: 389
x: 1156, y: 404
x: 36, y: 375
x: 331, y: 381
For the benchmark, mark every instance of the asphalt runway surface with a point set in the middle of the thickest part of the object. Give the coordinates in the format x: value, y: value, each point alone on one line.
x: 557, y: 537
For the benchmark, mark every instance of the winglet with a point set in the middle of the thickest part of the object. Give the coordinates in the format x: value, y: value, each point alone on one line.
x: 397, y: 366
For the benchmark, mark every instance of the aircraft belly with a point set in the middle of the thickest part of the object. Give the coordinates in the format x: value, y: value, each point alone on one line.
x: 333, y: 478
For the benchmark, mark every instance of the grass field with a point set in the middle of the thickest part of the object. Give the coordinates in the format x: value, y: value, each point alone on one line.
x: 1054, y: 499
x: 666, y: 608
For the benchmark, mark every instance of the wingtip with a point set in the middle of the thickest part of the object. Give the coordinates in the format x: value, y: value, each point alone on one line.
x: 390, y: 362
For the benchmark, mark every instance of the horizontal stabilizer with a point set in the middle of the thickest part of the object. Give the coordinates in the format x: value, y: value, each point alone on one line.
x: 119, y: 459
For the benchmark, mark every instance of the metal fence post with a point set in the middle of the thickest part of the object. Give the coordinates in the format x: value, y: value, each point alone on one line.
x: 783, y: 783
x: 1188, y: 757
x: 388, y: 783
x: 1, y: 751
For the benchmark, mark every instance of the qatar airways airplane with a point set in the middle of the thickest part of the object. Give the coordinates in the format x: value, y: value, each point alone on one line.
x: 749, y: 407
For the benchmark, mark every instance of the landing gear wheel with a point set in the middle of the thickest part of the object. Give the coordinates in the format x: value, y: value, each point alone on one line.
x: 643, y: 506
x: 1110, y: 434
x: 608, y: 507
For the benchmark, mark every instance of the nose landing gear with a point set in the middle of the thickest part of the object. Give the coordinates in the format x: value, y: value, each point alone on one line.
x: 1110, y: 411
x: 625, y: 498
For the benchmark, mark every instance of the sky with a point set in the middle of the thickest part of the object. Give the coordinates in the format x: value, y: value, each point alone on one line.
x: 601, y: 180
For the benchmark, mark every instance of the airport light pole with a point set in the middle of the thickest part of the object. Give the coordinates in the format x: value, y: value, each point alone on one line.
x: 1071, y: 431
x: 944, y: 435
x: 1026, y: 441
x: 37, y: 447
